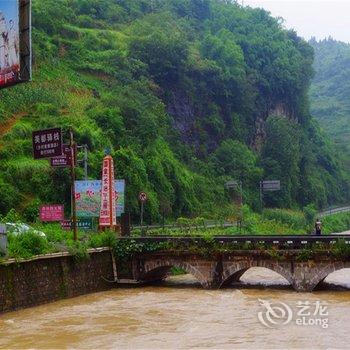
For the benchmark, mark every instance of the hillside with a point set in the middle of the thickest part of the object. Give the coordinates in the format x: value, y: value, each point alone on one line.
x: 186, y: 94
x: 330, y: 92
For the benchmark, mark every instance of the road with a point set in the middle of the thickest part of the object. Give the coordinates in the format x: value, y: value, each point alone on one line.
x: 332, y: 211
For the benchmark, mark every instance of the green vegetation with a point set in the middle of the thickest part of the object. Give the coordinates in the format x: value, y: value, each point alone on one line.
x: 272, y: 221
x: 186, y: 94
x: 330, y: 92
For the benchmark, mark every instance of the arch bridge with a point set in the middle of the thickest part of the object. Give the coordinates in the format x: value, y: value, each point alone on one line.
x: 282, y: 254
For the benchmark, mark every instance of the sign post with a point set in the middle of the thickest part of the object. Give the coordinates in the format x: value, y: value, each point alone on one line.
x: 142, y: 199
x: 268, y: 186
x: 72, y: 174
x: 236, y: 185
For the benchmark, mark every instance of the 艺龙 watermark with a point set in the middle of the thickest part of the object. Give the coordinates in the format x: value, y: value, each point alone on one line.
x: 274, y: 314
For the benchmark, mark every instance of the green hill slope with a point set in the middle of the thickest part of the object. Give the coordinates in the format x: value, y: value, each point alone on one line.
x: 330, y: 92
x: 186, y: 94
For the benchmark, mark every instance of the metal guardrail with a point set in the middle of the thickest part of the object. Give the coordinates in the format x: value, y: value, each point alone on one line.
x: 332, y: 211
x: 175, y: 226
x: 290, y: 242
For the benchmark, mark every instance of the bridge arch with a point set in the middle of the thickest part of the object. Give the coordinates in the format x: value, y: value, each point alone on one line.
x: 234, y: 271
x: 326, y: 271
x: 159, y: 270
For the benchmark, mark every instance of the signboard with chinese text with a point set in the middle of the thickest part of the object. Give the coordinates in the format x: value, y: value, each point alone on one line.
x: 271, y: 185
x: 88, y: 197
x: 51, y: 212
x: 108, y: 210
x: 65, y: 159
x: 82, y: 224
x: 47, y: 143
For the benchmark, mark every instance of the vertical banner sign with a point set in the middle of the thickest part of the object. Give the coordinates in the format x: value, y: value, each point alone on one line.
x: 108, y: 212
x: 51, y: 213
x: 47, y: 143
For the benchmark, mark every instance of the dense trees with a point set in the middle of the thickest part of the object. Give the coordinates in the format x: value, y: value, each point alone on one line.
x: 330, y: 92
x: 187, y: 94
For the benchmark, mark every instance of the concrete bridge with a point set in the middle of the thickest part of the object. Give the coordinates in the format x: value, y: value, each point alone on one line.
x: 221, y: 269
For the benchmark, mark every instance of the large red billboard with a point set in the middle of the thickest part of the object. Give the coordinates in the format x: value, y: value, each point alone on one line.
x: 15, y: 48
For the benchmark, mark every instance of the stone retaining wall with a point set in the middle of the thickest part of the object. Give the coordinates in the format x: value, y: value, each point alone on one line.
x: 51, y: 277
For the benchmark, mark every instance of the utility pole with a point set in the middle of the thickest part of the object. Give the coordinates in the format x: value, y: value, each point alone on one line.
x: 72, y: 174
x: 85, y: 162
x: 261, y: 195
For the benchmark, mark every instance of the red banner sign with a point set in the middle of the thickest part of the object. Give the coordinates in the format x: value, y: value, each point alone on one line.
x: 47, y: 143
x: 51, y: 212
x: 108, y: 206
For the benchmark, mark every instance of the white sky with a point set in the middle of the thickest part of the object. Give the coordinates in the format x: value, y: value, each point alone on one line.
x: 318, y: 18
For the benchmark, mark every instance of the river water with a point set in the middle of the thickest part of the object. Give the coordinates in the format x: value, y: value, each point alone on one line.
x: 180, y: 314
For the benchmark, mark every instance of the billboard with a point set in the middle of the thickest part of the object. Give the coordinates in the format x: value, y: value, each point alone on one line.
x: 15, y: 42
x: 51, y: 212
x: 88, y: 197
x: 270, y: 185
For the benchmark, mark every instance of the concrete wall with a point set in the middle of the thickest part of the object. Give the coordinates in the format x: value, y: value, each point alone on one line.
x: 52, y: 277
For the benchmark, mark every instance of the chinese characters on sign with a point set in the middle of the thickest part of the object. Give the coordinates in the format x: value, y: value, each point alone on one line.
x: 83, y: 224
x: 65, y: 159
x: 108, y: 210
x: 47, y: 143
x: 51, y: 212
x: 270, y: 185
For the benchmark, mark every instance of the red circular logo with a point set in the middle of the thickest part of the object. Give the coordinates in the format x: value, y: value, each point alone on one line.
x: 142, y: 196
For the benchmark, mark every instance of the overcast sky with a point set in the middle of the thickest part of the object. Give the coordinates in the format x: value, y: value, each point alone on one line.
x: 318, y: 18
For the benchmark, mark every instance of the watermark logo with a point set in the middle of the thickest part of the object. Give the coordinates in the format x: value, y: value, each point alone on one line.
x: 274, y: 314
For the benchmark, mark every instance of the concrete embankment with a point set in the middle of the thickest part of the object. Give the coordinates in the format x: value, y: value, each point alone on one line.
x: 52, y: 277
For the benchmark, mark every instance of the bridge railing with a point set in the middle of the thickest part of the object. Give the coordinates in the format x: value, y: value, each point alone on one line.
x: 287, y: 242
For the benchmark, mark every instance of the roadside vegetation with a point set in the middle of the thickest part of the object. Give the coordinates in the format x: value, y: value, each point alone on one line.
x: 271, y: 221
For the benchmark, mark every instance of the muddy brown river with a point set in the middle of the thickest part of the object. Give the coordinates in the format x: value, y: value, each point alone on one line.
x: 261, y: 313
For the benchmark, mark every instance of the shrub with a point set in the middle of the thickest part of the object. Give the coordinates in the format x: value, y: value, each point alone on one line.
x: 27, y: 245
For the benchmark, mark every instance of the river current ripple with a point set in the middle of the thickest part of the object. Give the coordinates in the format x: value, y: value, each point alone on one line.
x: 179, y: 314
